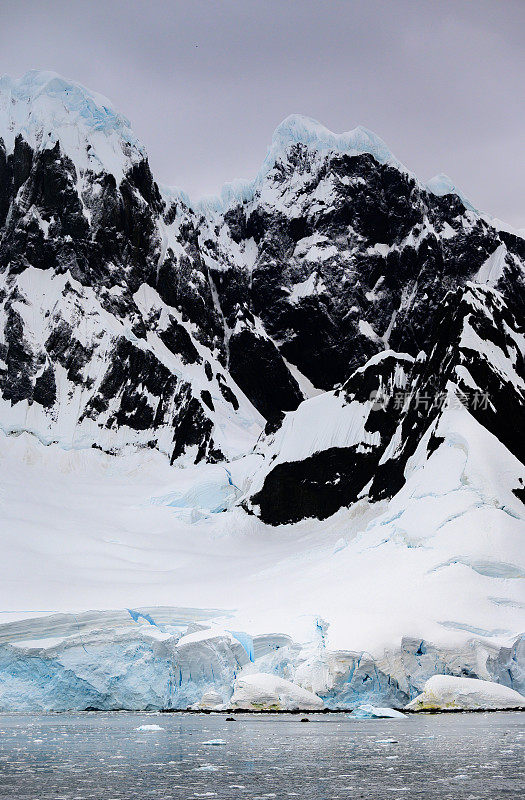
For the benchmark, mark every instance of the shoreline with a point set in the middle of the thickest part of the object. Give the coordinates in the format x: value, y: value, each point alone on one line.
x: 266, y: 712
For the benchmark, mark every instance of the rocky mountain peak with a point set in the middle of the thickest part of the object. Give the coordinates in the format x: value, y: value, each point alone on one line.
x: 45, y: 109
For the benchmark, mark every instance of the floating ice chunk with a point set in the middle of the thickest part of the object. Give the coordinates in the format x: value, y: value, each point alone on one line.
x: 207, y: 768
x: 443, y: 692
x: 261, y: 691
x: 368, y: 711
x: 149, y: 728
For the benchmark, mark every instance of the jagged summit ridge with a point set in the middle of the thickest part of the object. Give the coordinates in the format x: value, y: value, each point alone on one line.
x: 298, y: 129
x: 337, y: 254
x: 45, y: 108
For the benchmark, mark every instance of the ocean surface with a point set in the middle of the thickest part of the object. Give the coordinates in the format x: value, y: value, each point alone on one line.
x: 111, y: 755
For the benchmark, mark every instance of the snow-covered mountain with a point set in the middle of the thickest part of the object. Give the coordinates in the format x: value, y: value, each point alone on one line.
x: 92, y: 354
x: 299, y: 404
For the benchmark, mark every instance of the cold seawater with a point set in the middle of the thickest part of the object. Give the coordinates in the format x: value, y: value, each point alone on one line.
x: 108, y: 755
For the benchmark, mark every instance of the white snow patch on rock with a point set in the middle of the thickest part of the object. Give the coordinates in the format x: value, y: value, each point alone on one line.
x: 492, y: 269
x: 312, y: 285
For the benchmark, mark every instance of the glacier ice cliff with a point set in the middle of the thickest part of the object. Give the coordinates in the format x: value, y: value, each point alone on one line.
x: 162, y: 659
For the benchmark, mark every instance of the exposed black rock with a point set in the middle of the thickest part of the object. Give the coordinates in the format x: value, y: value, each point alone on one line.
x: 257, y: 366
x: 315, y: 487
x: 227, y: 393
x: 206, y: 397
x: 45, y: 391
x: 16, y: 380
x: 62, y: 347
x: 177, y: 339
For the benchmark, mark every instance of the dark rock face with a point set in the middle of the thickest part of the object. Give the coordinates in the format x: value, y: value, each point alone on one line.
x: 177, y: 339
x: 63, y: 348
x: 16, y: 378
x: 316, y: 487
x: 381, y: 250
x: 255, y: 363
x: 477, y: 350
x: 45, y: 391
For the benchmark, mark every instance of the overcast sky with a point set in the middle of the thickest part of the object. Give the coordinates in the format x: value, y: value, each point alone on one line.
x: 205, y: 82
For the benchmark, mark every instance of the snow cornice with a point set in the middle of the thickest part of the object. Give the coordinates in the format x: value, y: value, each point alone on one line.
x: 44, y: 108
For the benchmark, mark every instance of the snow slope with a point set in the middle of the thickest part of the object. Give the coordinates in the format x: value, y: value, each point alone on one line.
x: 101, y: 532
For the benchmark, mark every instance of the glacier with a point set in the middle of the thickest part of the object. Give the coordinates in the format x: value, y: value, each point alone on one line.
x: 175, y: 659
x: 355, y: 601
